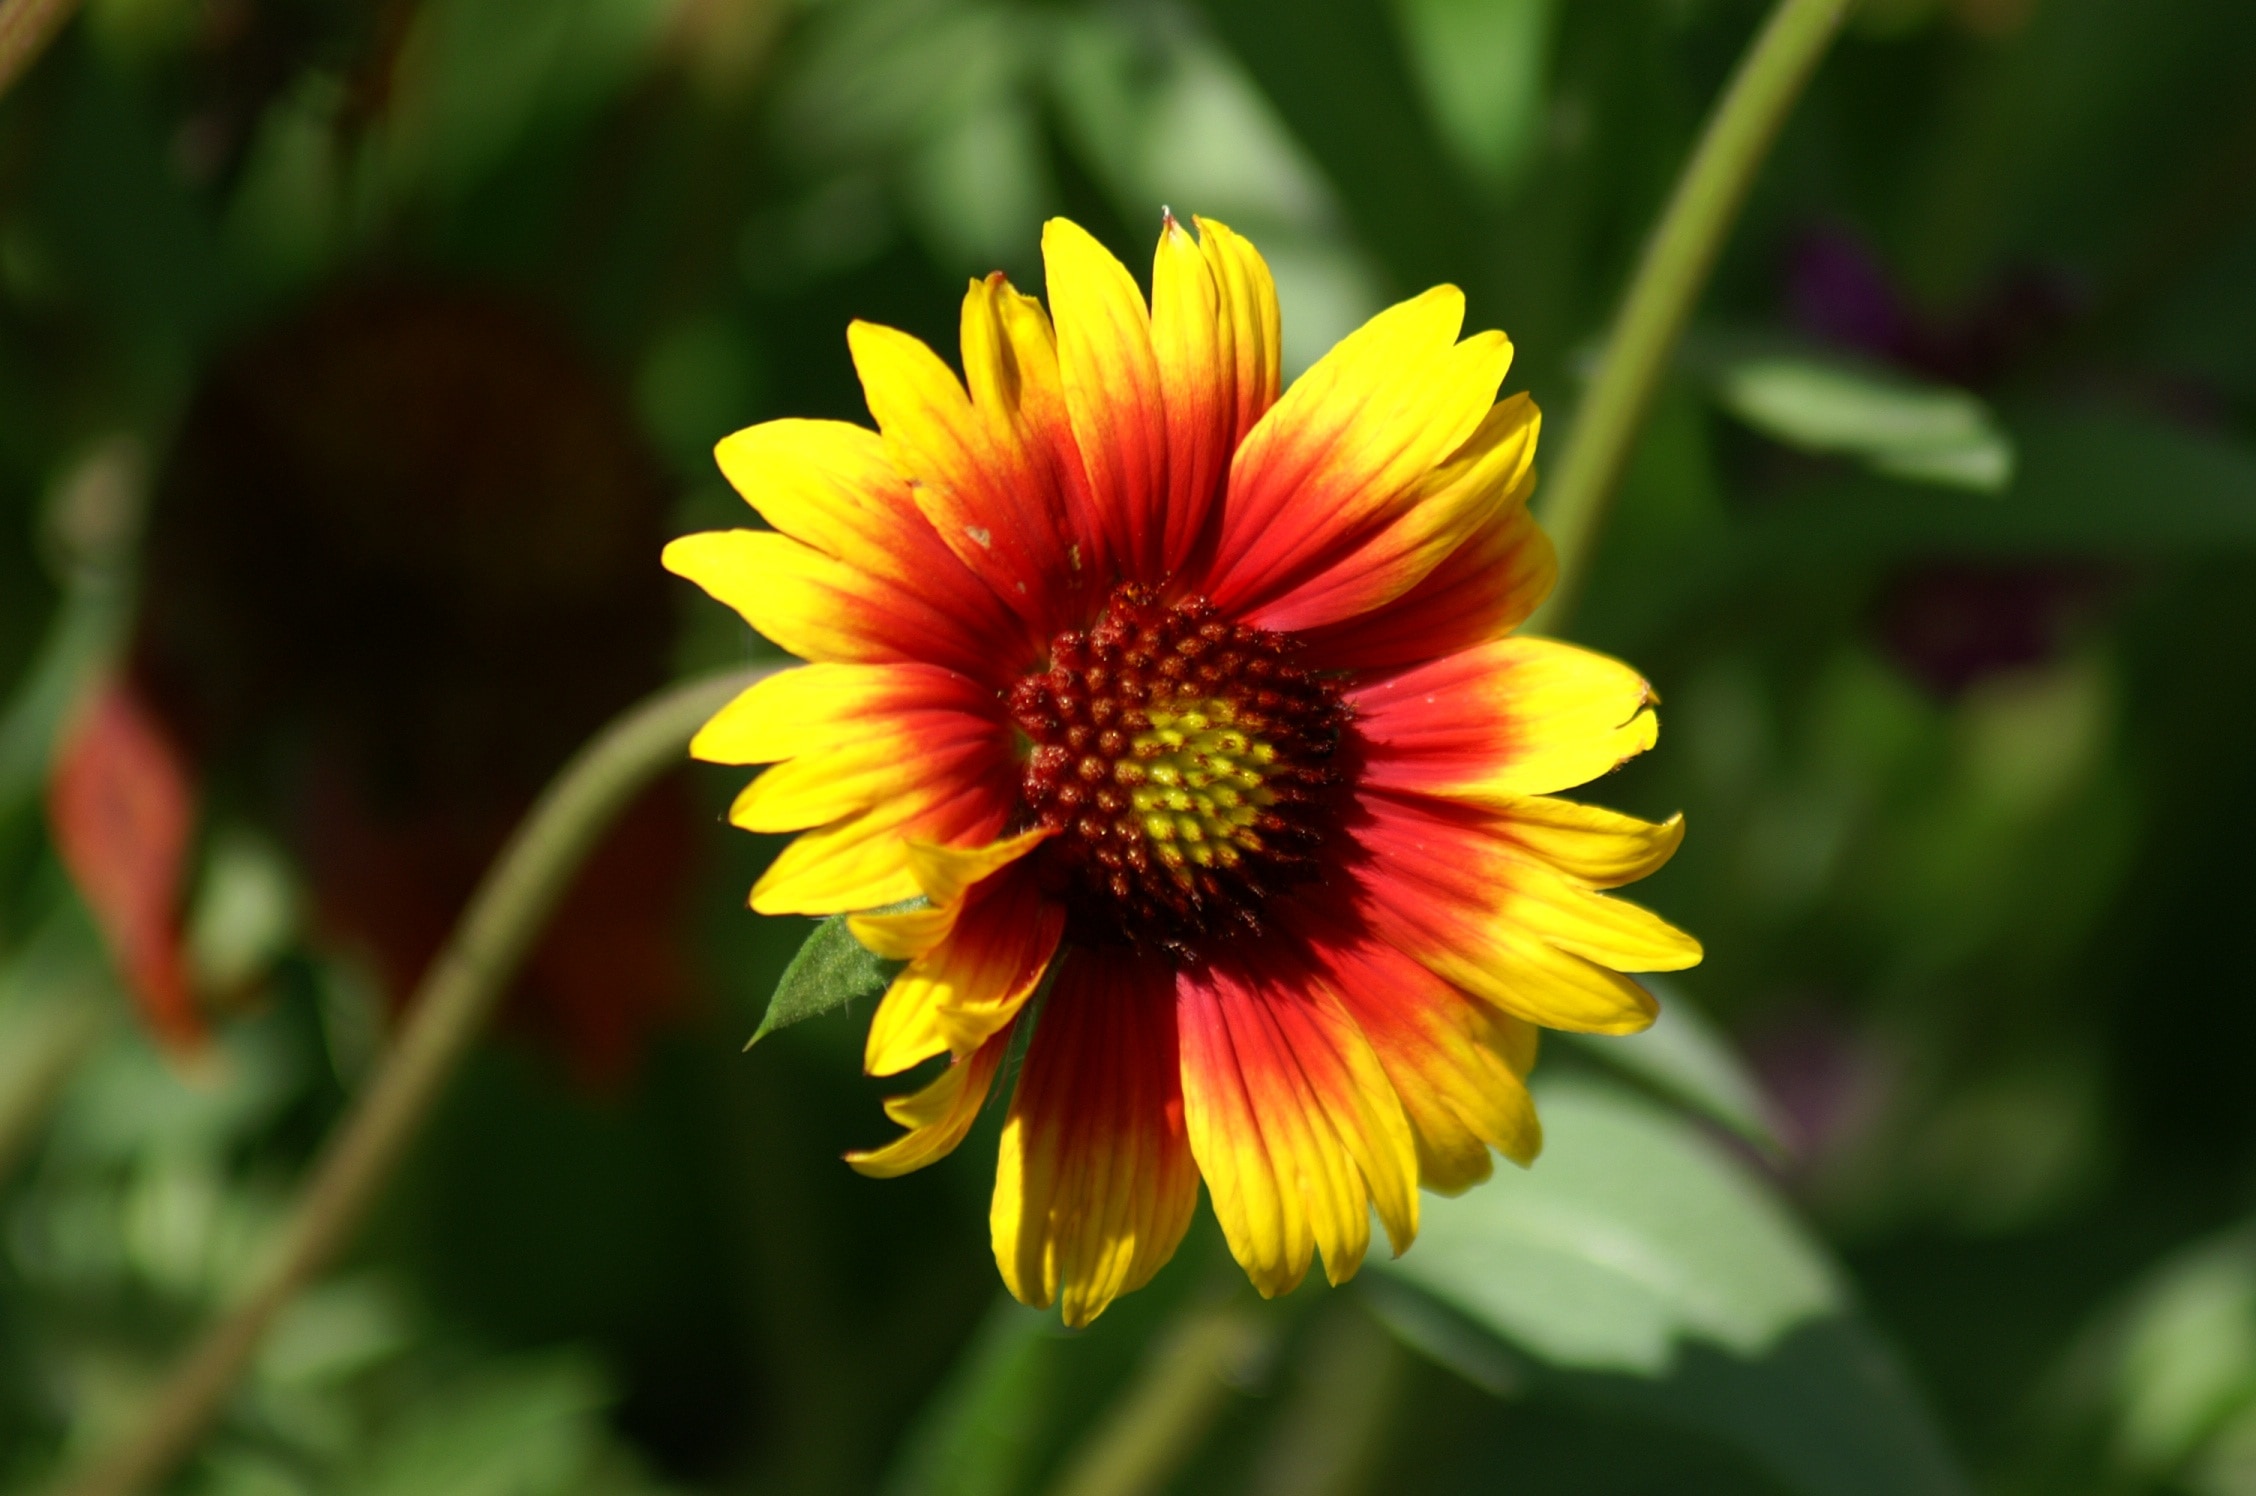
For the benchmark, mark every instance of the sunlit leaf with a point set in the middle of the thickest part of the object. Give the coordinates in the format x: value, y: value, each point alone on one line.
x: 1338, y: 75
x: 1639, y: 1266
x: 1482, y: 64
x: 1688, y: 1059
x: 831, y: 970
x: 2170, y: 1369
x: 1923, y: 432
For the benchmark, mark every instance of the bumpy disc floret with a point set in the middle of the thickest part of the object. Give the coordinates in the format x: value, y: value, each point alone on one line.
x: 1184, y: 763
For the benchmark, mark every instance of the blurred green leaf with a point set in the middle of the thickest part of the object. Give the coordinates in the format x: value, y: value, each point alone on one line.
x: 528, y: 1429
x: 831, y: 970
x: 1688, y: 1059
x: 1922, y: 432
x: 2089, y: 482
x: 477, y: 78
x: 2170, y: 1369
x: 244, y: 915
x: 1482, y: 63
x: 1338, y: 75
x: 335, y: 1330
x: 1638, y: 1265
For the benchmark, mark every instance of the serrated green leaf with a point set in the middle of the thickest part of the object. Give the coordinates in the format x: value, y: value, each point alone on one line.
x: 830, y: 971
x: 1639, y: 1266
x: 1688, y: 1059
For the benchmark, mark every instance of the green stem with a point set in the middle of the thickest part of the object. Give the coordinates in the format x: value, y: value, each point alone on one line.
x: 1669, y: 278
x: 26, y: 27
x: 457, y: 996
x: 1327, y: 1437
x: 1165, y: 1411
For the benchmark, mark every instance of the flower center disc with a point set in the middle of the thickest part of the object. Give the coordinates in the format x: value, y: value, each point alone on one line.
x: 1181, y: 761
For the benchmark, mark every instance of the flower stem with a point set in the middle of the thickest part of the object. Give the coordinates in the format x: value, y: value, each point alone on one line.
x: 1669, y: 278
x: 1167, y: 1408
x: 459, y: 993
x: 26, y: 27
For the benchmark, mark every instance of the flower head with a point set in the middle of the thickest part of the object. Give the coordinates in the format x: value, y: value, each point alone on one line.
x: 1190, y: 711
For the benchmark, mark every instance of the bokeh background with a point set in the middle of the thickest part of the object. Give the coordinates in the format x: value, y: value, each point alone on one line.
x: 357, y: 356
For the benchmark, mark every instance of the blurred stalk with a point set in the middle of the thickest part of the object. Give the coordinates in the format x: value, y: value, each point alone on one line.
x: 43, y: 1052
x: 26, y: 27
x: 1670, y: 276
x: 92, y: 535
x: 498, y: 929
x: 1327, y: 1438
x: 1208, y: 1353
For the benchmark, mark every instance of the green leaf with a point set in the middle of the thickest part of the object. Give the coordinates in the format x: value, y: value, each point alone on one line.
x: 1686, y: 1058
x: 830, y: 971
x: 2170, y: 1368
x: 1922, y: 432
x: 1639, y: 1266
x: 522, y: 1429
x: 2089, y: 482
x: 1482, y: 64
x: 1339, y: 77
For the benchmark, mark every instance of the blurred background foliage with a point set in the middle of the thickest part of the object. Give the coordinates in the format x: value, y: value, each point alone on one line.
x: 355, y: 359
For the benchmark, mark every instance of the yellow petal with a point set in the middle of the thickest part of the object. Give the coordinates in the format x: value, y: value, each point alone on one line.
x: 1295, y: 1126
x: 1112, y: 392
x: 1342, y: 451
x: 938, y: 1116
x: 1601, y: 848
x: 968, y: 986
x: 943, y: 875
x: 1094, y: 1182
x: 1246, y: 298
x: 1515, y: 716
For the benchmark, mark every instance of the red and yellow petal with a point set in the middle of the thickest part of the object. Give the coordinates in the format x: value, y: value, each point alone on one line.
x: 862, y: 735
x: 944, y: 876
x: 1596, y: 847
x: 1293, y: 1121
x: 1343, y: 451
x: 1448, y: 885
x: 1113, y: 392
x: 1516, y: 716
x: 1252, y: 342
x: 1442, y: 512
x: 896, y: 765
x: 1095, y: 1184
x: 987, y: 472
x: 1479, y: 592
x: 1459, y: 1065
x: 815, y: 606
x: 863, y: 859
x: 970, y: 984
x: 1214, y: 333
x: 831, y: 487
x: 938, y: 1115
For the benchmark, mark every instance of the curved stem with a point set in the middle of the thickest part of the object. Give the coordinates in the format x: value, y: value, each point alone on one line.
x: 26, y: 27
x: 1669, y: 279
x: 504, y: 918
